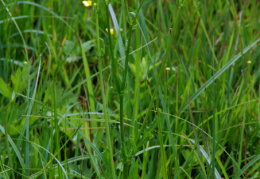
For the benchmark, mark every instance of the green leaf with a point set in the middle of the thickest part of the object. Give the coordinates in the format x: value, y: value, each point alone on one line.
x: 5, y: 89
x: 134, y: 169
x: 73, y: 49
x: 20, y: 78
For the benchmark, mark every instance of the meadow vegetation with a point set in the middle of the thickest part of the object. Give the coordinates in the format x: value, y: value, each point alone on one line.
x: 130, y: 89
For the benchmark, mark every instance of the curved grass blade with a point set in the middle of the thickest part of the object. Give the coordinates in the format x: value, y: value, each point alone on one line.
x: 204, y: 153
x: 193, y: 141
x: 205, y: 134
x: 18, y: 28
x: 37, y: 174
x: 14, y: 147
x: 79, y: 84
x: 214, y: 77
x: 252, y: 162
x: 149, y: 148
x: 97, y: 152
x: 120, y: 41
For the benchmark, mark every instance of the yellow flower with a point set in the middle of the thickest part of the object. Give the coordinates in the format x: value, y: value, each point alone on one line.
x: 111, y: 31
x: 87, y: 3
x: 248, y: 62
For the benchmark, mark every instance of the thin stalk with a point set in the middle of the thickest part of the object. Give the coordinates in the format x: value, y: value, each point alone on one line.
x: 145, y: 159
x: 163, y: 157
x: 127, y: 57
x: 90, y: 92
x: 98, y: 52
x: 213, y: 124
x: 57, y: 131
x: 151, y: 102
x: 165, y: 54
x: 122, y: 135
x: 122, y: 103
x: 123, y: 86
x: 124, y: 16
x: 110, y: 148
x: 27, y: 131
x: 240, y: 39
x: 259, y: 106
x: 27, y: 125
x: 206, y: 34
x: 242, y: 142
x: 132, y: 22
x: 111, y: 55
x: 7, y: 143
x: 137, y: 80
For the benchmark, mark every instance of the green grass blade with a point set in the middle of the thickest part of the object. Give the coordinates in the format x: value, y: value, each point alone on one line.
x: 18, y: 154
x: 252, y: 162
x: 120, y: 41
x: 216, y: 75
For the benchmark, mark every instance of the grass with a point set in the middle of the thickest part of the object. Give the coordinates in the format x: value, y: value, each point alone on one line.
x: 172, y: 91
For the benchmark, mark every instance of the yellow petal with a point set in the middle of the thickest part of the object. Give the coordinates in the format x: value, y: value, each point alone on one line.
x: 87, y: 3
x: 111, y: 31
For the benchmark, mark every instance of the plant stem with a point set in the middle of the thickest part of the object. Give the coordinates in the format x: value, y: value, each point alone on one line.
x: 122, y: 103
x: 127, y: 57
x: 113, y: 61
x: 137, y: 82
x: 162, y: 152
x: 213, y: 125
x: 110, y: 148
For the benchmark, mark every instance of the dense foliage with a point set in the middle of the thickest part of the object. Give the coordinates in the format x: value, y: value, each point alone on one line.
x: 129, y: 89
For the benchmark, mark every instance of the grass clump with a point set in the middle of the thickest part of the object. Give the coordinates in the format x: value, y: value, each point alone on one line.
x: 129, y: 89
